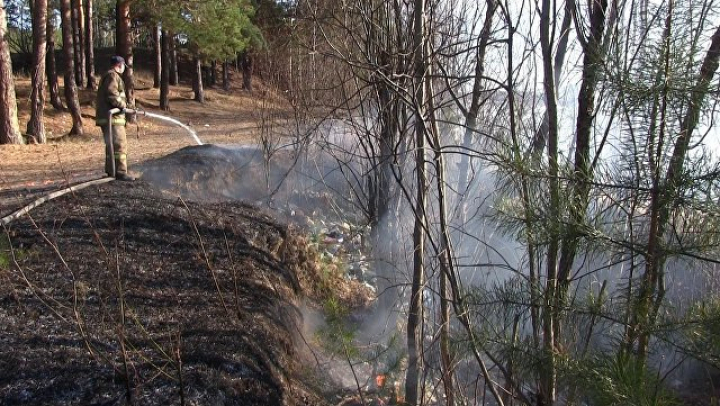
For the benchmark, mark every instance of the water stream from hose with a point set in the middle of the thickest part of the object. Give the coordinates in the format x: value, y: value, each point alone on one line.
x: 176, y: 122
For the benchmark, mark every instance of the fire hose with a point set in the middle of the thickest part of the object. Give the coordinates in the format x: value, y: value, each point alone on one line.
x: 19, y: 213
x: 4, y: 221
x: 26, y: 209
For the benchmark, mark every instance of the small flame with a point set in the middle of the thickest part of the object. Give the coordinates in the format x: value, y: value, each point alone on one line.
x: 380, y: 380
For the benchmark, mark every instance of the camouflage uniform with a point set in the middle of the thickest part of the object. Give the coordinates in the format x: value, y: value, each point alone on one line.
x: 110, y: 95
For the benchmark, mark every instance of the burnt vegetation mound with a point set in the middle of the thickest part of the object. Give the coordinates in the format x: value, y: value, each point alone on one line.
x: 120, y: 295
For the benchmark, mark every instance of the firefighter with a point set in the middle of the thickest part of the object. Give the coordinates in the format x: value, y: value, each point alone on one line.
x: 111, y: 95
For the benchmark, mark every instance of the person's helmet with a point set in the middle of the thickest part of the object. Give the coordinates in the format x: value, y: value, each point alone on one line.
x: 117, y: 60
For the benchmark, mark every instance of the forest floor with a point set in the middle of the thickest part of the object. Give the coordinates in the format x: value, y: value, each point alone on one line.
x: 123, y: 294
x: 227, y: 117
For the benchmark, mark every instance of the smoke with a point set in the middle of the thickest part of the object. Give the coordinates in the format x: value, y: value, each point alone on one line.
x: 216, y: 173
x: 326, y: 181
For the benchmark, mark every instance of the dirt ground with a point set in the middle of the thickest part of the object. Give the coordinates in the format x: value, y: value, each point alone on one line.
x: 227, y: 117
x: 119, y: 294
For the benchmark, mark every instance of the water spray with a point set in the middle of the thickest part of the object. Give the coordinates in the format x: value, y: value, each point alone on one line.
x: 192, y: 132
x: 112, y: 112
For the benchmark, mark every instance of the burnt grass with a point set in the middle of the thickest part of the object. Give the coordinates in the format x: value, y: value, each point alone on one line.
x: 117, y: 295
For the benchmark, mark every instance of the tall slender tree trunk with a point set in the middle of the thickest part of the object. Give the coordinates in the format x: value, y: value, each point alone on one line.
x: 471, y: 118
x: 124, y: 48
x: 226, y: 75
x: 198, y: 82
x: 550, y: 311
x: 381, y: 190
x: 651, y: 292
x: 174, y: 68
x: 246, y: 63
x: 36, y: 126
x: 213, y: 73
x: 165, y: 76
x: 541, y: 135
x: 51, y: 65
x: 71, y: 92
x: 76, y: 41
x: 445, y: 254
x: 640, y: 321
x: 82, y: 60
x: 413, y: 394
x: 89, y: 45
x: 593, y: 56
x: 9, y: 125
x: 78, y: 22
x: 388, y: 31
x: 157, y: 56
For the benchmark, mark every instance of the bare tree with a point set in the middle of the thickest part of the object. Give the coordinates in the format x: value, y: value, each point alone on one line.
x: 472, y: 112
x: 416, y: 310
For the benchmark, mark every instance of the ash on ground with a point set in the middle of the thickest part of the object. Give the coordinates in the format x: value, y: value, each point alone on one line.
x: 308, y: 191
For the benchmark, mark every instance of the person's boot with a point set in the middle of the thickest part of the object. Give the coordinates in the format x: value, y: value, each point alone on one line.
x: 124, y: 177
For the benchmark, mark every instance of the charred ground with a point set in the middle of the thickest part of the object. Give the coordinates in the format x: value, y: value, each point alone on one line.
x: 121, y: 294
x: 118, y: 294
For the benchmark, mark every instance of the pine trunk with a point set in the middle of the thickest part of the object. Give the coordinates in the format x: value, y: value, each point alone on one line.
x: 78, y: 41
x: 124, y: 48
x: 9, y: 126
x: 35, y: 126
x: 157, y: 53
x: 89, y: 46
x: 165, y: 77
x: 174, y: 69
x: 226, y: 75
x: 213, y: 73
x: 246, y: 62
x: 197, y: 82
x: 81, y: 41
x: 51, y: 65
x: 71, y: 92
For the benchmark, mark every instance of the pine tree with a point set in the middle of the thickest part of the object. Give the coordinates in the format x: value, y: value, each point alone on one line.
x: 9, y: 126
x: 35, y: 125
x: 214, y: 29
x: 71, y: 91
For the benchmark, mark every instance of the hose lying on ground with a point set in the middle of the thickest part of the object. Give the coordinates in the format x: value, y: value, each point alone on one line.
x: 12, y: 217
x: 16, y: 215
